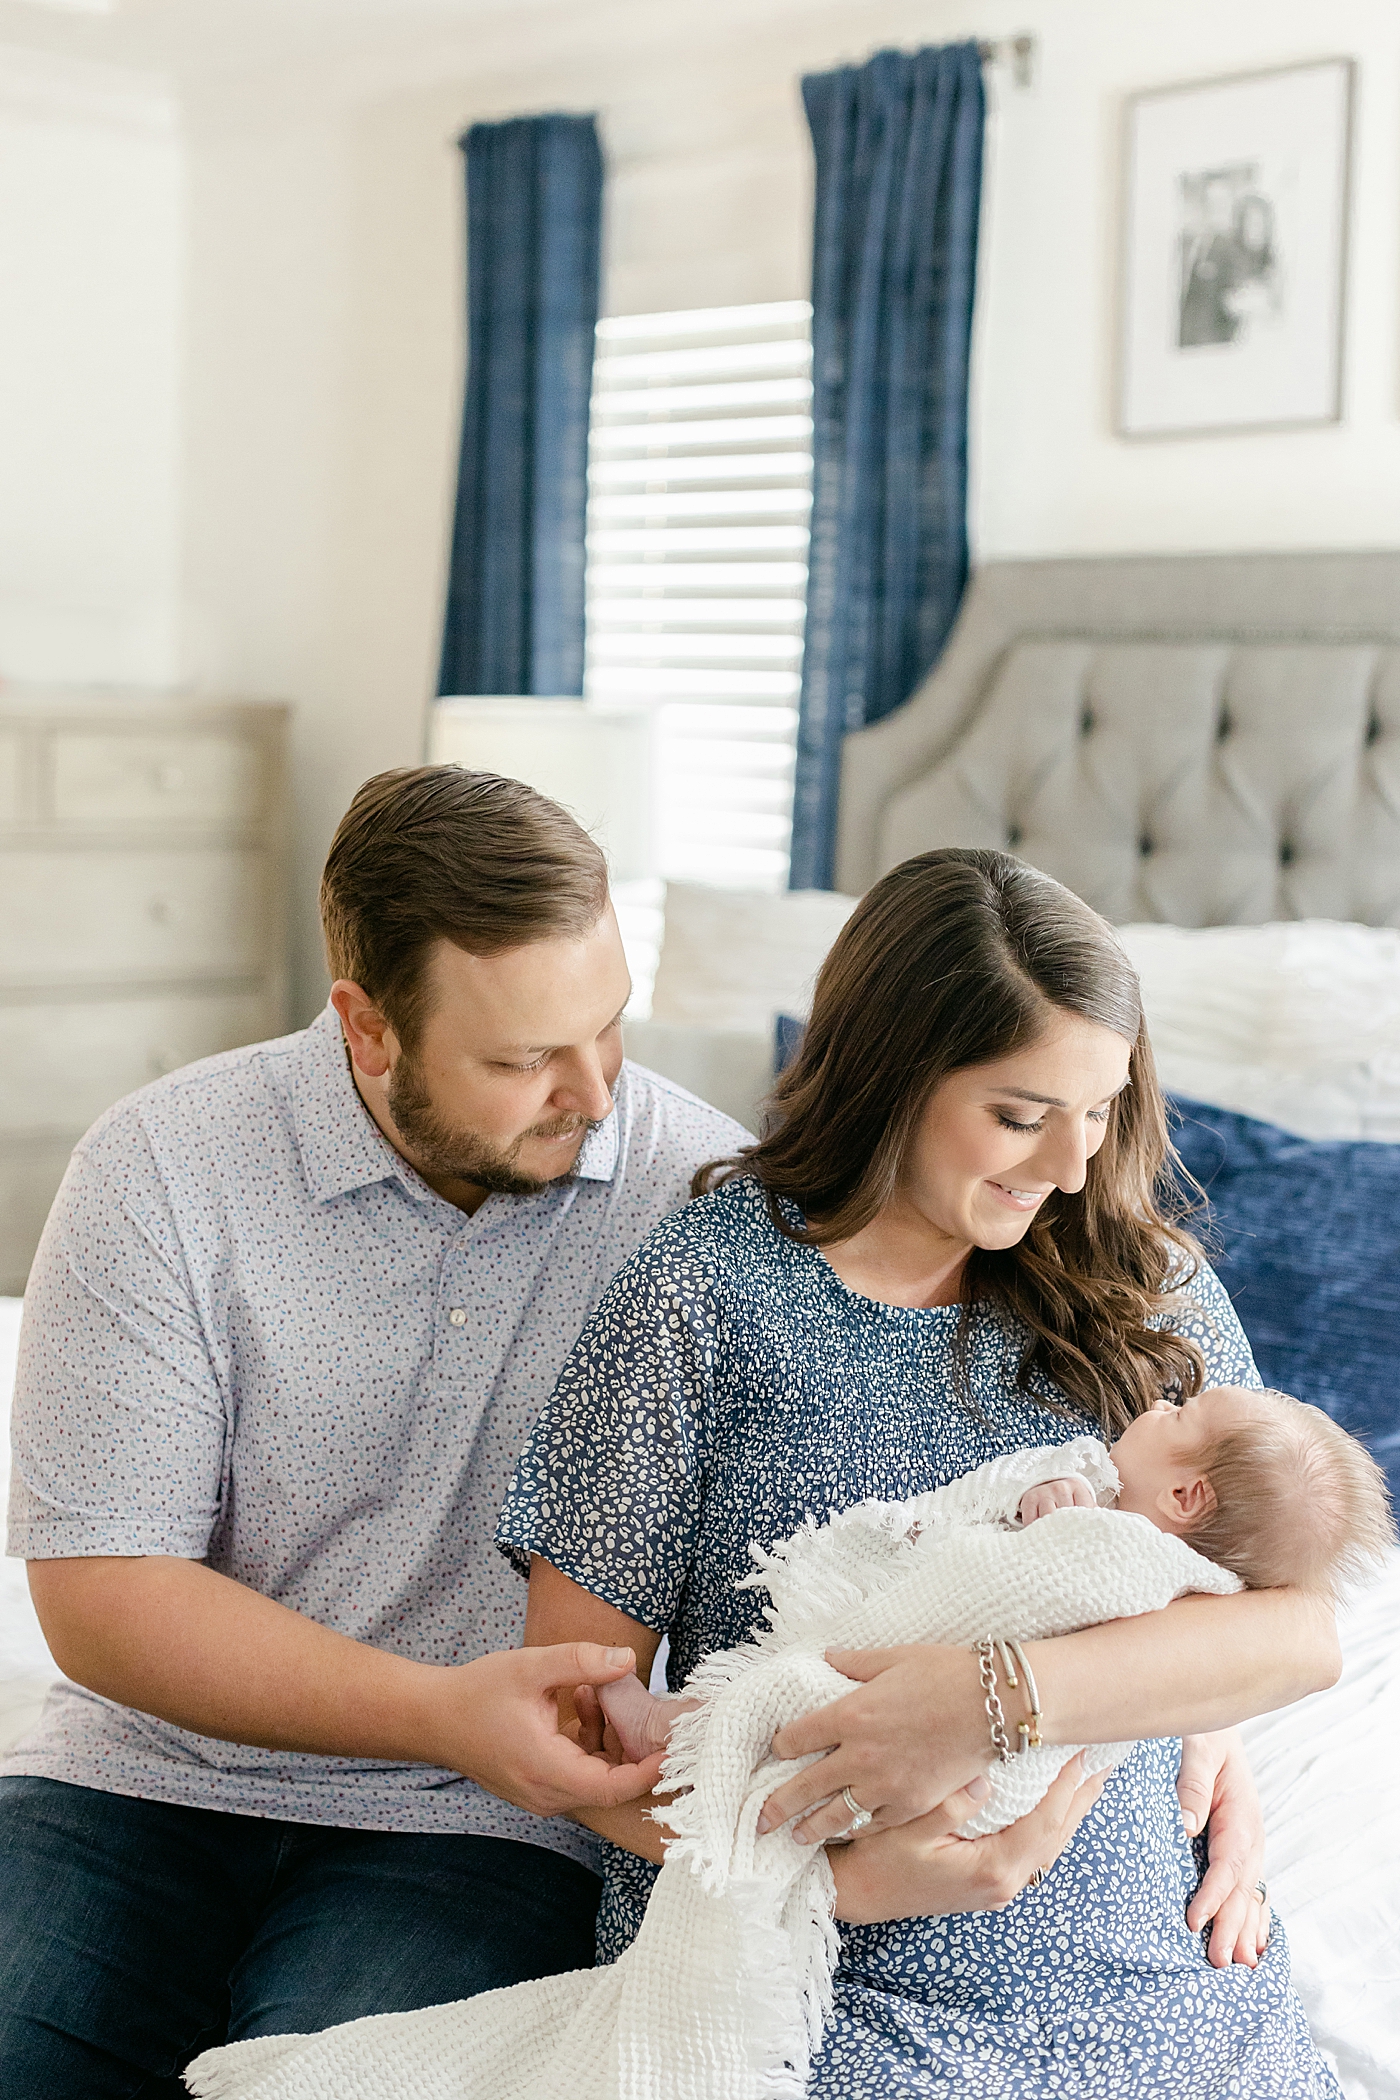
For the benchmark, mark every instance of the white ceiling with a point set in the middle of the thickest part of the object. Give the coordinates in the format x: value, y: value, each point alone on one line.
x: 202, y: 42
x: 205, y: 38
x: 240, y: 66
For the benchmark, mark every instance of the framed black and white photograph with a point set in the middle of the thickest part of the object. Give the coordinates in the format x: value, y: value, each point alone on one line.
x: 1234, y: 263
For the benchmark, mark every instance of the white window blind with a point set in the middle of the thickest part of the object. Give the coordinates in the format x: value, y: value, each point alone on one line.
x: 699, y: 497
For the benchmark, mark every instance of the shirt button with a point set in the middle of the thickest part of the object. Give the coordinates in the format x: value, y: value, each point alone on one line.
x: 458, y: 1316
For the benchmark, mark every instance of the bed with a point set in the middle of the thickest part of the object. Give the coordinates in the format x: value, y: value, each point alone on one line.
x: 1208, y: 749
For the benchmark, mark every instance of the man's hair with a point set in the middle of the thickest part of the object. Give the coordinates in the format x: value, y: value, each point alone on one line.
x: 1297, y: 1500
x: 430, y: 853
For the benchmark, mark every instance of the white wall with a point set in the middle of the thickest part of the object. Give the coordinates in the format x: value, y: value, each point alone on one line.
x: 1051, y: 477
x: 325, y: 361
x: 90, y: 250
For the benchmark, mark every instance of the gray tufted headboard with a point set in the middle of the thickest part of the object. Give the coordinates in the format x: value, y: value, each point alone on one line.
x: 1206, y: 739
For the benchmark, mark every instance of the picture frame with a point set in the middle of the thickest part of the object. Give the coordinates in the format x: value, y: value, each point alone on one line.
x: 1233, y: 282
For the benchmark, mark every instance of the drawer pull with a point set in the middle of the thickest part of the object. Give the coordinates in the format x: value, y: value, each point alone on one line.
x: 168, y: 778
x: 159, y: 1062
x: 163, y: 910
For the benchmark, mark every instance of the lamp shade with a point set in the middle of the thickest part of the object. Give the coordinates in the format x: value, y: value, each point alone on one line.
x: 596, y: 761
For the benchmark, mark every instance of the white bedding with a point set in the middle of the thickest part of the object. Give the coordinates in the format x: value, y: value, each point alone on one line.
x: 26, y: 1667
x: 1327, y: 1770
x: 1329, y: 1773
x: 1297, y: 1023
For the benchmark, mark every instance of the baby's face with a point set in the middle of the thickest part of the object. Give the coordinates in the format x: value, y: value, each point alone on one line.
x: 1157, y: 1454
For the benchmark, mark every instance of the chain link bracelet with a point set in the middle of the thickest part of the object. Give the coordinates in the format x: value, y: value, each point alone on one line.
x: 991, y: 1700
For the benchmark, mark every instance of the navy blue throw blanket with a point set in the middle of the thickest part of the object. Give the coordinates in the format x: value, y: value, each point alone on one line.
x: 1305, y: 1237
x: 514, y: 621
x: 898, y: 145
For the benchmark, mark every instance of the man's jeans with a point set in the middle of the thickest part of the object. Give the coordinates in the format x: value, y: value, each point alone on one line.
x: 134, y: 1934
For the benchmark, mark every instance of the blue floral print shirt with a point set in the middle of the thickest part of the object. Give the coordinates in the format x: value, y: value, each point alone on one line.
x: 728, y: 1386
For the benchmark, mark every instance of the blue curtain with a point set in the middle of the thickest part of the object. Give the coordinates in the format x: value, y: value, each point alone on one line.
x: 898, y: 145
x: 514, y: 621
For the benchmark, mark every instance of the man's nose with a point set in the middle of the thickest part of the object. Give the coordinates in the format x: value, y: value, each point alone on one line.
x: 582, y: 1088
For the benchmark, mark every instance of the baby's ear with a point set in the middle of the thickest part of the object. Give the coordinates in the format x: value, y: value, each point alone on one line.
x: 1189, y: 1503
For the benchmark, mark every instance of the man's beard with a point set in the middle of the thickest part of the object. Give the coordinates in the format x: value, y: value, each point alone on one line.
x: 453, y: 1154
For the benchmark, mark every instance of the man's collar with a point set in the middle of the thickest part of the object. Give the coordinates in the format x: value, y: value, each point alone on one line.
x: 598, y: 1154
x: 343, y: 1148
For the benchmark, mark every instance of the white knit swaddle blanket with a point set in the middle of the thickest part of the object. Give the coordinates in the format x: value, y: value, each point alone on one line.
x: 724, y: 1993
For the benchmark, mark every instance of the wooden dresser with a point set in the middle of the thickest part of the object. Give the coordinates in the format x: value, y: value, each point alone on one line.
x: 142, y: 913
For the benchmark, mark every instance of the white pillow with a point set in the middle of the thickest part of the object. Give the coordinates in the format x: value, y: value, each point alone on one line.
x: 1296, y: 1022
x: 731, y: 1068
x: 737, y: 958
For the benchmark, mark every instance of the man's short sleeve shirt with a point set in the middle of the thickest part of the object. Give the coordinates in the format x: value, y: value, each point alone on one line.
x: 254, y: 1336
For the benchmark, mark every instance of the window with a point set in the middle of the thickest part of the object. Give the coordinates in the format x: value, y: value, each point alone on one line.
x: 699, y: 498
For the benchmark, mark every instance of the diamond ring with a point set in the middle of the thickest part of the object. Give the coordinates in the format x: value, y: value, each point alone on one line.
x: 859, y: 1816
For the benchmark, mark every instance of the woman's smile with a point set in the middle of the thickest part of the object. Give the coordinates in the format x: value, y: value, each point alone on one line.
x: 1018, y: 1199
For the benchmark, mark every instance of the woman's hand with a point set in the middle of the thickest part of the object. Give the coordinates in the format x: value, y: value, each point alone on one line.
x: 911, y: 1736
x: 924, y: 1869
x: 1216, y: 1790
x: 497, y: 1719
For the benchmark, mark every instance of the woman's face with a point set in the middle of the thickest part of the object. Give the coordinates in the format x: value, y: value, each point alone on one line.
x: 995, y: 1140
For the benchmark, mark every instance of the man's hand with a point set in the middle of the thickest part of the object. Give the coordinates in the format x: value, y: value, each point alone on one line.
x: 1216, y: 1790
x: 175, y: 1639
x: 500, y: 1721
x: 1074, y: 1493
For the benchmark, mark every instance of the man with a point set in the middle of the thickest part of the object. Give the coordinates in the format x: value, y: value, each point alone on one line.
x: 294, y: 1313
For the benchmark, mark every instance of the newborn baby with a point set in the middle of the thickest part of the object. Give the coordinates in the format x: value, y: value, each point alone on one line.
x: 1257, y: 1482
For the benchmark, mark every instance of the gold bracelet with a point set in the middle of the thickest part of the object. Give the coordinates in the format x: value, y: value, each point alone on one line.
x: 1028, y: 1730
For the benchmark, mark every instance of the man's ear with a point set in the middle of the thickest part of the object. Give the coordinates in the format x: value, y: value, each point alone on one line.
x: 372, y: 1042
x: 1188, y: 1503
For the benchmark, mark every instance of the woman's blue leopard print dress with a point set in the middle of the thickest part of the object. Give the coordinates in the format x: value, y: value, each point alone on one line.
x: 728, y: 1386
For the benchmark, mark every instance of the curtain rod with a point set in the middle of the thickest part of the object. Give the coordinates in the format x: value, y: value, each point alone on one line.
x: 1019, y: 52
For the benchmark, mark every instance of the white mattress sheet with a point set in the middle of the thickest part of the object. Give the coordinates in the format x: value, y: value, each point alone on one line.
x: 1328, y: 1770
x: 1329, y: 1774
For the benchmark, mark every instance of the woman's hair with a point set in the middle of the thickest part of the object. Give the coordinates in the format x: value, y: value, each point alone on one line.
x: 957, y: 958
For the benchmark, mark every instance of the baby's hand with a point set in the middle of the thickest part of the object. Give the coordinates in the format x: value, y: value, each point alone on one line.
x: 1074, y: 1493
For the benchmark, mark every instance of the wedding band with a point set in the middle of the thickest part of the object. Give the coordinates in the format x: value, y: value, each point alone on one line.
x: 859, y: 1816
x: 1036, y: 1878
x: 1262, y: 1889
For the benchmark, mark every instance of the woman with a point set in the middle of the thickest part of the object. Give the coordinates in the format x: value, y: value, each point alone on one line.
x: 950, y: 1244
